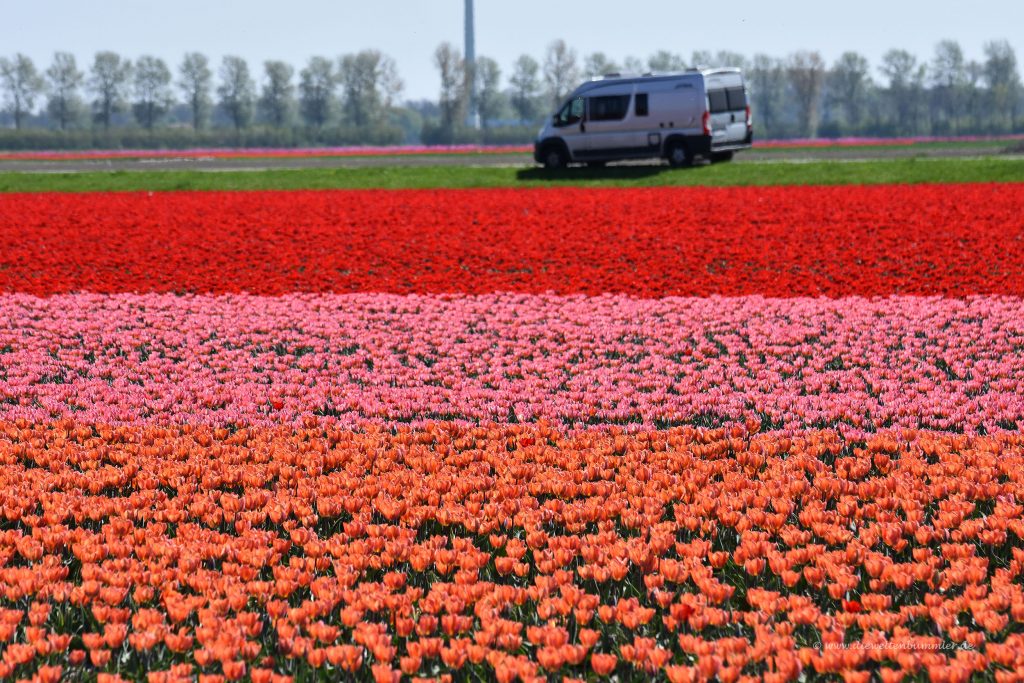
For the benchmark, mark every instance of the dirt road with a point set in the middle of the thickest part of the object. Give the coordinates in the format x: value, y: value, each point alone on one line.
x: 506, y: 160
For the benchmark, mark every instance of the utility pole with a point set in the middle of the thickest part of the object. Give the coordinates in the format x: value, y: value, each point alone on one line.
x: 472, y: 114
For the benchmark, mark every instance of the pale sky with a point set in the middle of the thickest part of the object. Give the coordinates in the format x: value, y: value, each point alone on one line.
x: 410, y: 30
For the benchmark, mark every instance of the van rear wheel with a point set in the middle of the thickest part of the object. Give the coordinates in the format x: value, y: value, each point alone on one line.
x: 677, y: 155
x: 554, y: 158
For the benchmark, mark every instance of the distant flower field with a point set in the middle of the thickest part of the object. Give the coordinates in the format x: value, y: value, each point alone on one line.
x: 470, y: 149
x: 883, y: 142
x: 727, y: 434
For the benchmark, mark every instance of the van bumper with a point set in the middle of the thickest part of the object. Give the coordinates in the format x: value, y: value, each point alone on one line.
x: 746, y: 143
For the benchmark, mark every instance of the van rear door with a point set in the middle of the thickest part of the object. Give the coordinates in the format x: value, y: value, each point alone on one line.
x: 736, y: 128
x: 727, y: 102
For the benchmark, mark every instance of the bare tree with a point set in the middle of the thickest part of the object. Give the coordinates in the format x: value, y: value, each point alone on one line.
x: 973, y: 97
x: 633, y: 65
x: 236, y: 91
x: 369, y: 82
x: 152, y: 85
x: 561, y: 74
x: 905, y: 87
x: 63, y: 81
x: 195, y: 82
x: 390, y: 83
x: 453, y: 85
x: 277, y: 99
x: 316, y: 91
x: 598, y: 64
x: 702, y: 59
x: 730, y: 59
x: 848, y: 85
x: 525, y: 84
x: 767, y: 80
x: 1003, y: 82
x: 109, y: 81
x: 22, y: 84
x: 806, y: 71
x: 948, y: 73
x: 663, y: 60
x: 488, y: 92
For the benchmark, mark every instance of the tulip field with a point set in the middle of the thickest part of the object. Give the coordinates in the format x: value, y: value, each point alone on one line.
x: 537, y: 433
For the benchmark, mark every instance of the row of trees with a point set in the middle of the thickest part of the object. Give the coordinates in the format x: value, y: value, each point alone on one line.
x: 797, y: 95
x: 356, y: 90
x: 947, y: 95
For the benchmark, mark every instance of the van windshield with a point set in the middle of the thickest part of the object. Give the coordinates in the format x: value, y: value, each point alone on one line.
x: 571, y: 113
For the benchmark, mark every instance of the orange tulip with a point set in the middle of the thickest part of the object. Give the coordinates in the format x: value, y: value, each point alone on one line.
x: 99, y: 658
x: 603, y: 664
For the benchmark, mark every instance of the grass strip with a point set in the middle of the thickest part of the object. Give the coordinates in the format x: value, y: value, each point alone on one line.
x: 751, y: 173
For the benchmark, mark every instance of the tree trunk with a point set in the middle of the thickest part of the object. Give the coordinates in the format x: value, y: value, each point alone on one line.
x: 107, y: 107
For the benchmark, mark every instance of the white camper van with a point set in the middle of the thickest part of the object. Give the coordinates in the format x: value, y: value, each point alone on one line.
x: 678, y: 117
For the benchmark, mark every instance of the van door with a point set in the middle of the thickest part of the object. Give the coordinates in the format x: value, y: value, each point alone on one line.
x: 569, y: 124
x: 646, y: 134
x: 609, y: 129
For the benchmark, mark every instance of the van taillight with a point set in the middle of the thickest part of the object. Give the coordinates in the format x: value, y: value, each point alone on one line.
x: 750, y: 123
x: 706, y: 122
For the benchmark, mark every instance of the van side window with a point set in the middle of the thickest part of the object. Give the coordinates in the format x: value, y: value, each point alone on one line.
x: 641, y: 104
x: 737, y: 98
x: 609, y: 107
x: 718, y: 101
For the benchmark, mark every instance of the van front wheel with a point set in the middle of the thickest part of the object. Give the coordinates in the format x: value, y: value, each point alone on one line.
x: 677, y: 155
x: 718, y: 157
x: 554, y: 158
